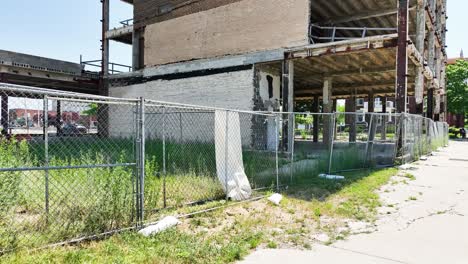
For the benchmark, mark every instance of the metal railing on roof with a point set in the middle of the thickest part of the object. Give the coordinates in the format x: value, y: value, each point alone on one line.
x: 114, y: 68
x: 127, y: 22
x: 334, y: 37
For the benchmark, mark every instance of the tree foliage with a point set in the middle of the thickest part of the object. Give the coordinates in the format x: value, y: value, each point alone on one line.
x: 92, y: 110
x: 457, y: 87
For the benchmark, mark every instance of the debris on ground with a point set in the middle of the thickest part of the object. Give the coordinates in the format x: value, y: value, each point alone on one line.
x: 331, y: 177
x: 275, y: 198
x: 166, y: 223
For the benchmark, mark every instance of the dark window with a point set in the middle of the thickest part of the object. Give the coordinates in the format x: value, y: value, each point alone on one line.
x: 270, y: 86
x: 166, y: 8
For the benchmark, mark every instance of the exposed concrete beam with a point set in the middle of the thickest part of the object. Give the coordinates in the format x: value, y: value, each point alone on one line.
x: 214, y: 63
x: 122, y: 34
x: 360, y: 71
x: 352, y: 87
x: 344, y: 47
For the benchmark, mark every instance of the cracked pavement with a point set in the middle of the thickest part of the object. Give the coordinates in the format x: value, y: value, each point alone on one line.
x: 421, y: 221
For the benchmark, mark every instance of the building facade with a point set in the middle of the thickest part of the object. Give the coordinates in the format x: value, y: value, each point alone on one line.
x: 271, y: 54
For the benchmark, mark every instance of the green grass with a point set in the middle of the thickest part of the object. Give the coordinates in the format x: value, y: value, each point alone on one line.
x: 85, y: 202
x: 221, y: 237
x: 409, y: 176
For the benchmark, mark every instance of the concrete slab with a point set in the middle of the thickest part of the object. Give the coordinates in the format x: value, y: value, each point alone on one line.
x: 431, y: 227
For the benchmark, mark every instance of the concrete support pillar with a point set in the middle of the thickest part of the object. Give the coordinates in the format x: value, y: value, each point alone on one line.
x: 327, y: 108
x: 402, y: 56
x: 315, y: 109
x: 288, y: 104
x: 105, y: 41
x: 430, y: 103
x: 103, y: 110
x: 431, y: 40
x: 4, y: 114
x: 420, y: 37
x: 137, y: 64
x: 135, y: 50
x: 370, y: 105
x: 384, y: 118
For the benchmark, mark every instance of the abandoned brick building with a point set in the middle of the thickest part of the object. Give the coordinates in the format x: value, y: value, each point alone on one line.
x: 273, y: 54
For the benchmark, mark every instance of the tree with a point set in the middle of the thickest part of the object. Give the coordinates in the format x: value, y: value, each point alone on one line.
x: 92, y: 110
x: 457, y: 87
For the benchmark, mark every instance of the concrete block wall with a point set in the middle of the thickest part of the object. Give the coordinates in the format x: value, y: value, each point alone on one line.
x: 232, y: 90
x: 236, y: 28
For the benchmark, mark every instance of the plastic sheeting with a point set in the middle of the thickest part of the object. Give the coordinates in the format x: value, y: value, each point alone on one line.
x: 166, y: 223
x: 229, y: 163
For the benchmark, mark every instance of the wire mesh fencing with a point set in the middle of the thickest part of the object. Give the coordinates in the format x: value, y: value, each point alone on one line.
x: 60, y: 177
x: 74, y: 166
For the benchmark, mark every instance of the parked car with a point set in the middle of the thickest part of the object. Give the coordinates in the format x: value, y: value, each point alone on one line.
x: 74, y: 130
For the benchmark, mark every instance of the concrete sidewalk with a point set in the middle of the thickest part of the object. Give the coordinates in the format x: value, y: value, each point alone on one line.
x: 429, y: 227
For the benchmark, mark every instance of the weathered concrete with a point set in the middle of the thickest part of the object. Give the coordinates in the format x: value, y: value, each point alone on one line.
x: 240, y: 27
x: 21, y: 60
x: 431, y: 229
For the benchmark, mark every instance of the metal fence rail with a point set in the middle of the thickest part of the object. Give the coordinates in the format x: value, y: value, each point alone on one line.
x: 74, y: 166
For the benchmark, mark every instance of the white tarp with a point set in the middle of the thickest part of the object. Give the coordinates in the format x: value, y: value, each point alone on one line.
x: 229, y: 164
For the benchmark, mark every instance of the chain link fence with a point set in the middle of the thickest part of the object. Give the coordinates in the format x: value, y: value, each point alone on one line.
x: 74, y: 166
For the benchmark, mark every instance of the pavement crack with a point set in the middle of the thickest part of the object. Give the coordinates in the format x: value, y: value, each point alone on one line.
x: 450, y: 211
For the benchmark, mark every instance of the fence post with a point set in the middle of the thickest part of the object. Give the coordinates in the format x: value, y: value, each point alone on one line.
x: 226, y: 153
x: 164, y: 157
x: 136, y: 174
x: 46, y: 153
x: 277, y: 134
x: 293, y: 138
x: 142, y: 159
x: 332, y: 140
x: 370, y: 139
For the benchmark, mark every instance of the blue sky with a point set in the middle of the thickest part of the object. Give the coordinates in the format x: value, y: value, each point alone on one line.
x: 64, y: 29
x: 60, y: 29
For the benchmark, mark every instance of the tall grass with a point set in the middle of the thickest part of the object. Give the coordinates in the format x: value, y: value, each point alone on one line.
x: 89, y: 201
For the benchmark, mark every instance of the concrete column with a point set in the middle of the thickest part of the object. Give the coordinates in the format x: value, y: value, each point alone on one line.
x: 105, y: 41
x: 136, y: 63
x: 384, y: 118
x: 288, y: 103
x: 327, y: 108
x: 315, y: 109
x: 430, y: 103
x: 402, y: 56
x: 103, y: 110
x: 370, y: 105
x: 420, y: 36
x: 431, y: 41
